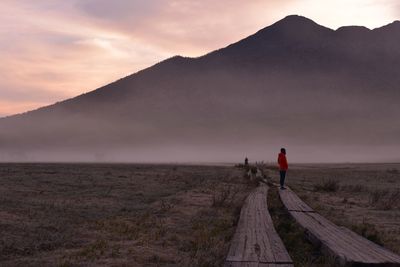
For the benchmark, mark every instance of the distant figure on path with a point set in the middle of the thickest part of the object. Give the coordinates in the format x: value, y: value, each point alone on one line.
x: 283, y: 167
x: 246, y: 161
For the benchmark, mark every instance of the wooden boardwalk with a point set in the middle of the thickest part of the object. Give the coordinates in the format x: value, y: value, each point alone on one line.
x: 256, y: 243
x: 347, y: 247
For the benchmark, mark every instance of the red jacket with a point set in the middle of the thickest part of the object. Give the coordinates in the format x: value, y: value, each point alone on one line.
x: 282, y: 161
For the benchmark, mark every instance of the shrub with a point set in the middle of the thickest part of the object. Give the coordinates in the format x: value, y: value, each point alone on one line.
x: 211, y: 232
x: 377, y: 195
x: 368, y: 231
x: 393, y: 171
x: 354, y: 188
x: 329, y: 185
x: 392, y: 200
x: 224, y: 196
x: 384, y: 199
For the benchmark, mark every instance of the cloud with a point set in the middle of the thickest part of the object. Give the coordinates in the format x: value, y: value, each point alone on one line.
x: 194, y: 27
x: 121, y: 9
x: 50, y: 58
x: 369, y: 13
x: 396, y: 8
x: 53, y: 49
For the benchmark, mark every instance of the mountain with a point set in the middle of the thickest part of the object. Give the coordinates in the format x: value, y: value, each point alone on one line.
x: 325, y: 95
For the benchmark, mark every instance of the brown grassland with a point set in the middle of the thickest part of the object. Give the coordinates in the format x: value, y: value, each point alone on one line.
x: 361, y: 197
x: 118, y: 215
x: 170, y: 215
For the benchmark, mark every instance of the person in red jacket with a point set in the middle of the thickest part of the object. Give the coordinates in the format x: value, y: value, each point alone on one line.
x: 283, y: 167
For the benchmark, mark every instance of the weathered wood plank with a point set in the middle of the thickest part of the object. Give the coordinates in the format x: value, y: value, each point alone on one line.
x: 349, y: 248
x: 255, y: 264
x: 293, y: 202
x: 256, y: 243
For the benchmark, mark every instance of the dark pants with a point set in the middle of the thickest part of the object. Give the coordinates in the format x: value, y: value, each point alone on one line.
x: 283, y: 176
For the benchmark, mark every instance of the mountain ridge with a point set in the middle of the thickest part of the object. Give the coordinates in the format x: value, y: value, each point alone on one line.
x: 290, y: 19
x: 292, y: 84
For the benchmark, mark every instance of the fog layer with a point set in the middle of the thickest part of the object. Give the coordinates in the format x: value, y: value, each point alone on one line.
x: 327, y: 96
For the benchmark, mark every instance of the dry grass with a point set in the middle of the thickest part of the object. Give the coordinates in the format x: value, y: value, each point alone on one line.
x: 385, y: 199
x: 225, y: 195
x: 362, y: 197
x: 329, y: 185
x: 118, y: 215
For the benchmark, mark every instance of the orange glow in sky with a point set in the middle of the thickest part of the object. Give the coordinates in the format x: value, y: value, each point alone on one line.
x: 51, y: 50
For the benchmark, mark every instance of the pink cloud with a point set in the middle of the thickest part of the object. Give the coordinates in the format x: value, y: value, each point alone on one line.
x: 53, y: 49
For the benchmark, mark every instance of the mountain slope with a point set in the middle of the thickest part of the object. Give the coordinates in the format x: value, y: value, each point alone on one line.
x: 326, y: 95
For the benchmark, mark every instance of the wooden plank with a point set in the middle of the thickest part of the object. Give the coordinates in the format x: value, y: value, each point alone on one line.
x: 255, y: 264
x: 372, y: 248
x: 349, y: 248
x: 241, y: 264
x: 256, y: 243
x: 293, y: 202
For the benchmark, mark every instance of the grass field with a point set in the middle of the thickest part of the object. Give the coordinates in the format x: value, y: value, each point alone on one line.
x: 118, y: 215
x: 167, y: 215
x: 362, y: 197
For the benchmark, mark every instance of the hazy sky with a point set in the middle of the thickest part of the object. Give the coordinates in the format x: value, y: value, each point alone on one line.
x: 55, y: 49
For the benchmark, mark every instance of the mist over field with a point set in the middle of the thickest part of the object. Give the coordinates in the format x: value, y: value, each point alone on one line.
x: 325, y: 95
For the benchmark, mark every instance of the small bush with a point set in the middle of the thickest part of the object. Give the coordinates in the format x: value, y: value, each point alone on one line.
x: 368, y: 231
x: 224, y: 196
x: 377, y: 195
x: 393, y: 171
x: 211, y: 232
x: 327, y: 186
x: 354, y: 188
x: 392, y: 200
x: 384, y: 199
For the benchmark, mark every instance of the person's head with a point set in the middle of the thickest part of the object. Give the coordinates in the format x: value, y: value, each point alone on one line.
x: 283, y: 151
